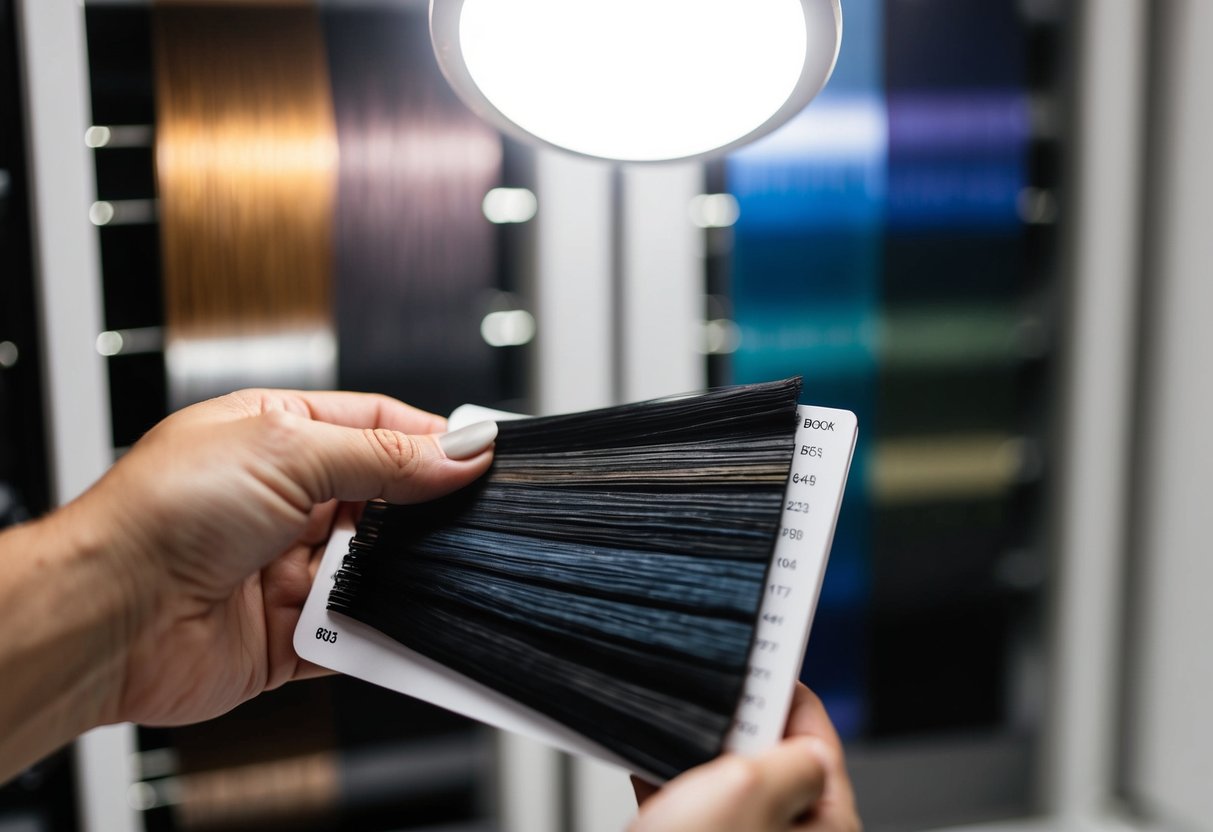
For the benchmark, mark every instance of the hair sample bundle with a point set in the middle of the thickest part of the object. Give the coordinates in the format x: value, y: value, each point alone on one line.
x: 607, y: 572
x: 246, y: 158
x: 322, y: 789
x: 415, y: 255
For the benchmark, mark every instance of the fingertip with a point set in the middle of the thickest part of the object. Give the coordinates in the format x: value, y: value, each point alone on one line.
x: 808, y: 715
x: 468, y: 442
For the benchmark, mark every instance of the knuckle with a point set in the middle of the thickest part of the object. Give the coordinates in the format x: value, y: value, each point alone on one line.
x: 280, y: 430
x: 399, y: 451
x: 279, y: 422
x: 278, y: 439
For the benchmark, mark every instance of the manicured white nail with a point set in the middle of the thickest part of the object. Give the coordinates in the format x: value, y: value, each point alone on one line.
x: 466, y: 443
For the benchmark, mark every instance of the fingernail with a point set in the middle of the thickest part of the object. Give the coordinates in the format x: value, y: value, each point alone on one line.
x: 466, y: 443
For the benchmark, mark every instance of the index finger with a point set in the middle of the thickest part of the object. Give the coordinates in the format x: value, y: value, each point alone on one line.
x: 808, y: 716
x: 793, y: 776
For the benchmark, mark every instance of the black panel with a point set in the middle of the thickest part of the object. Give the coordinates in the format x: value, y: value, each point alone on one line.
x: 42, y: 796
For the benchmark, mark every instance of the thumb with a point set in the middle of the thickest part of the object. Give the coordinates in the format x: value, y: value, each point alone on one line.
x: 354, y: 464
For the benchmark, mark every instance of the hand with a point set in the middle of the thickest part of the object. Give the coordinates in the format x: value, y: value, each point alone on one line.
x: 801, y: 785
x: 217, y: 518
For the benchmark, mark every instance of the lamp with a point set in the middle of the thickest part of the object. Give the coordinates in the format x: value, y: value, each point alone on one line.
x: 637, y: 80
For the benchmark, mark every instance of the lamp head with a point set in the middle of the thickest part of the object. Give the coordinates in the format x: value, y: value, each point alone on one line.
x: 637, y: 80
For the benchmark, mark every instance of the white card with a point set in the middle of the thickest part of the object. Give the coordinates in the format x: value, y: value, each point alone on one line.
x: 825, y: 442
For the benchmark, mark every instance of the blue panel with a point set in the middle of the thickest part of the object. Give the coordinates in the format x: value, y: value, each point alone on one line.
x: 957, y: 161
x: 806, y: 275
x: 899, y: 187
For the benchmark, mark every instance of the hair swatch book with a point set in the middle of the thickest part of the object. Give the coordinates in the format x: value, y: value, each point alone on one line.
x: 634, y: 583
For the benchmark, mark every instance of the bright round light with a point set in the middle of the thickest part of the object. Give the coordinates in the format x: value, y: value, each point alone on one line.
x: 508, y: 328
x: 8, y: 355
x: 510, y: 205
x: 101, y: 212
x: 637, y: 80
x: 715, y: 210
x: 97, y: 136
x: 109, y: 343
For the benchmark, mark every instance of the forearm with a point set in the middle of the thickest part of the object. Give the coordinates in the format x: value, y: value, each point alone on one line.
x: 65, y: 623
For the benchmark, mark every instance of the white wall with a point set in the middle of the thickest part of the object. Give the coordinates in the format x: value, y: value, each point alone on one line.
x: 1170, y: 757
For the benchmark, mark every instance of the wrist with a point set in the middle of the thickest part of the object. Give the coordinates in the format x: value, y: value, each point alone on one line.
x: 94, y: 601
x: 69, y: 613
x: 107, y: 562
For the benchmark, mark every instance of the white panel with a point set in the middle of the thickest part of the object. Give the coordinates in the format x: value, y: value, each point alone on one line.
x: 603, y: 797
x: 528, y: 785
x: 1172, y: 749
x: 662, y: 299
x: 1109, y: 823
x: 663, y: 282
x: 1105, y: 236
x: 662, y: 311
x: 573, y: 294
x: 574, y: 370
x: 66, y: 245
x: 105, y: 768
x: 66, y: 253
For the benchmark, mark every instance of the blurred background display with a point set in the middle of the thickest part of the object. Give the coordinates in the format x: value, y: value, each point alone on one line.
x: 893, y: 243
x: 890, y: 243
x: 970, y: 239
